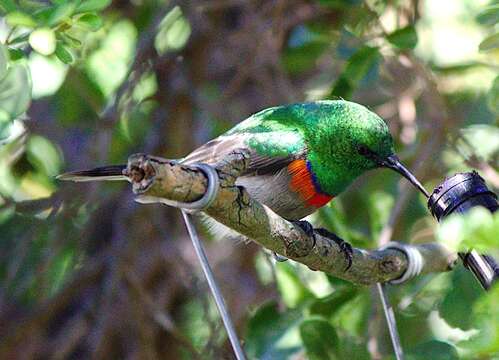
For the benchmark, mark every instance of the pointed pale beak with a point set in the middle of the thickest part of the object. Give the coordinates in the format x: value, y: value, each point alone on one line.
x: 393, y: 162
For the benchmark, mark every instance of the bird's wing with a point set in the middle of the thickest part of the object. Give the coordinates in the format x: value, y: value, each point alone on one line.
x: 269, y: 151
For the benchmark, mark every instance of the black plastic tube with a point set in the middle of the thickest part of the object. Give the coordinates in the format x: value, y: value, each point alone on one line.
x: 458, y: 194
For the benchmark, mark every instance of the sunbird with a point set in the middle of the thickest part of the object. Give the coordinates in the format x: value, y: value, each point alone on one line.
x: 301, y: 155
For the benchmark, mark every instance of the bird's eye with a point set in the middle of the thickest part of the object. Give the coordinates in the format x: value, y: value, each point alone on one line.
x: 368, y: 153
x: 364, y: 150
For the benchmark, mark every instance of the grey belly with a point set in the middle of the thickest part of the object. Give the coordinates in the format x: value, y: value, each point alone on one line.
x: 273, y: 191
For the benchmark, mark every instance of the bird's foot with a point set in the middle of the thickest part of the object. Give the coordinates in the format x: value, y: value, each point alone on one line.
x: 345, y: 247
x: 306, y: 227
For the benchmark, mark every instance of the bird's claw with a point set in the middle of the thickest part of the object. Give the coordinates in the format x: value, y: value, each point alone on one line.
x: 306, y: 227
x: 345, y: 247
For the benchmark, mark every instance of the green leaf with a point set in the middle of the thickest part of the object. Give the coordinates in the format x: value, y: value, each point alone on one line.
x: 146, y: 87
x: 477, y: 229
x: 485, y: 313
x: 90, y: 21
x: 343, y: 88
x: 43, y: 155
x: 8, y: 5
x: 380, y: 206
x: 463, y: 293
x: 319, y: 338
x: 43, y: 41
x: 457, y: 68
x: 19, y: 39
x: 272, y: 335
x: 60, y: 269
x: 61, y: 13
x: 357, y: 67
x: 330, y: 304
x: 47, y: 74
x: 15, y: 54
x: 435, y: 350
x: 70, y: 40
x: 493, y: 96
x: 43, y: 14
x: 92, y: 5
x: 5, y: 123
x: 481, y: 141
x: 32, y: 5
x: 405, y: 38
x: 4, y: 59
x: 489, y: 43
x: 290, y: 286
x: 133, y: 127
x: 63, y: 54
x: 354, y: 348
x: 15, y: 91
x: 302, y: 58
x: 489, y: 16
x: 108, y: 66
x: 18, y: 18
x: 174, y: 31
x: 360, y: 63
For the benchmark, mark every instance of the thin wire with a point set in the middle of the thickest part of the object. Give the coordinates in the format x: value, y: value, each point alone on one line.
x: 222, y: 308
x: 390, y: 320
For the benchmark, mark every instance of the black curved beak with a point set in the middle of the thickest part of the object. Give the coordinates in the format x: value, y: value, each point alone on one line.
x: 393, y: 162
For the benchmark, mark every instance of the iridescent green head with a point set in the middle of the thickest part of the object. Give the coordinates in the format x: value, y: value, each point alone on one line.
x: 350, y: 139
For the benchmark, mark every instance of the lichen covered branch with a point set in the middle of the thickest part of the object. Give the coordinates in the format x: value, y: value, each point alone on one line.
x: 154, y: 177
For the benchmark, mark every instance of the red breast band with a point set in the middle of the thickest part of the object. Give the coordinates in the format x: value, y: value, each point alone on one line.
x: 302, y: 183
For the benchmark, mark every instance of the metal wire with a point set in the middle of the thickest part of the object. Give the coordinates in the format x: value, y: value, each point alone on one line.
x: 191, y: 207
x: 222, y: 308
x: 390, y: 320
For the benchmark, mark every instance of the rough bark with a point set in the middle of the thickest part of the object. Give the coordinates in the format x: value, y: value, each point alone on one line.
x: 234, y: 207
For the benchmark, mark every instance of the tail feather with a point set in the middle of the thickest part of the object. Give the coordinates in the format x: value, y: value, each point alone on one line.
x: 112, y: 172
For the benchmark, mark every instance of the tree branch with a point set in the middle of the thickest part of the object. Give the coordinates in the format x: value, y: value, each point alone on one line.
x: 156, y: 178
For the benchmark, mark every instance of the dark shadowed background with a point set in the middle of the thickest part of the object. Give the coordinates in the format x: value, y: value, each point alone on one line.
x: 85, y: 272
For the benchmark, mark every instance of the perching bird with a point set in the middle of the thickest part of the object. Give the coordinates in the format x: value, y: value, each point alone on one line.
x: 301, y: 155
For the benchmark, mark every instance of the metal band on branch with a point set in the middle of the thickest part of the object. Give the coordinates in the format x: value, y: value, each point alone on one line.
x: 211, y: 191
x: 199, y: 205
x: 415, y: 261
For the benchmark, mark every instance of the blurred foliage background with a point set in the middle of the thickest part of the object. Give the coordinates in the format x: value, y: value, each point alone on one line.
x: 87, y: 273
